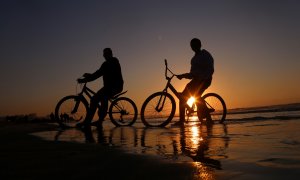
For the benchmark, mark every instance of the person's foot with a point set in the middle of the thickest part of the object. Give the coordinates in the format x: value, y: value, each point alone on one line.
x: 179, y: 124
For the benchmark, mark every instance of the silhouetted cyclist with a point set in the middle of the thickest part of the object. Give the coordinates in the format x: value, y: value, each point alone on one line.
x: 113, y: 84
x: 202, y: 69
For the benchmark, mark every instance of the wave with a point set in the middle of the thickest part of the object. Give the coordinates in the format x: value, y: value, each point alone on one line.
x: 259, y: 118
x: 266, y: 109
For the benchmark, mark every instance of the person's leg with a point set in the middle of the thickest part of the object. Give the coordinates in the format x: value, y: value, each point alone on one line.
x: 184, y: 96
x: 182, y: 104
x: 107, y: 93
x: 202, y: 108
x: 102, y: 112
x: 104, y: 95
x: 93, y: 107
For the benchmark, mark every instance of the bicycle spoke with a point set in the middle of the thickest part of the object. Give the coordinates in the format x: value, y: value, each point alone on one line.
x: 70, y: 111
x: 151, y: 115
x: 123, y: 112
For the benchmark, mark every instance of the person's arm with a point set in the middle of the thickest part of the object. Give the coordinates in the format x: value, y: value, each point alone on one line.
x: 185, y: 75
x: 91, y: 77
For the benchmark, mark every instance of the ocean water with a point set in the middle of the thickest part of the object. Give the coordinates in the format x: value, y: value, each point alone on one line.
x: 261, y: 137
x: 280, y: 112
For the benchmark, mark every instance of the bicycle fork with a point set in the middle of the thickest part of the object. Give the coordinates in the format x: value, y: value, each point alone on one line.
x: 160, y: 103
x: 76, y: 106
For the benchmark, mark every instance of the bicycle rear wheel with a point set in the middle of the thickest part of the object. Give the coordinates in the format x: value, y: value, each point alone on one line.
x: 158, y: 109
x: 216, y: 106
x: 123, y: 112
x: 71, y: 110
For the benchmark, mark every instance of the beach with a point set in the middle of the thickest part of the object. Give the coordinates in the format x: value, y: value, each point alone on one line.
x: 24, y: 156
x: 256, y: 149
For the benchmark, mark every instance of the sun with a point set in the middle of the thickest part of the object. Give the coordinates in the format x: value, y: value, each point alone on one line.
x: 191, y: 101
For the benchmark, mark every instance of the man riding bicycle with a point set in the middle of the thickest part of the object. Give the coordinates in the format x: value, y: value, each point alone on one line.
x: 202, y: 69
x: 113, y: 84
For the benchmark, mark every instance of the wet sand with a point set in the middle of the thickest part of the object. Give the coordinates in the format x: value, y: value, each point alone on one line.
x: 24, y: 156
x: 244, y: 150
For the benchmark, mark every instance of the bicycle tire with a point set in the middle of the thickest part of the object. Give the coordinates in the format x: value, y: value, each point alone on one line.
x: 151, y: 117
x: 215, y: 102
x: 123, y: 112
x: 67, y: 115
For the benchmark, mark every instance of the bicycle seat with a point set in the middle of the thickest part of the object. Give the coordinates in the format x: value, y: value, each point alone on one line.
x: 119, y: 94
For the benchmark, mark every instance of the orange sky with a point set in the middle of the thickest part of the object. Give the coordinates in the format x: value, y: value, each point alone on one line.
x: 46, y: 46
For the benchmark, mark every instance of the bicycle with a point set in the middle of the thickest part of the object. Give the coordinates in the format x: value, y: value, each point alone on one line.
x: 73, y: 109
x: 159, y: 108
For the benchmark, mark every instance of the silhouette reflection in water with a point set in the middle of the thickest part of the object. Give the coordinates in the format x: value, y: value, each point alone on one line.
x: 203, y: 145
x: 195, y: 144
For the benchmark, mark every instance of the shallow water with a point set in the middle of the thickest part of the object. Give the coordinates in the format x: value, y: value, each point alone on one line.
x: 229, y: 147
x: 261, y: 143
x: 190, y: 143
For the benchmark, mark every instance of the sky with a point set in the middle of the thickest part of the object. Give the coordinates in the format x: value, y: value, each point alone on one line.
x: 45, y: 45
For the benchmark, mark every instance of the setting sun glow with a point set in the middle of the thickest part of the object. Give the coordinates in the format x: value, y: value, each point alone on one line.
x: 80, y: 52
x: 191, y: 101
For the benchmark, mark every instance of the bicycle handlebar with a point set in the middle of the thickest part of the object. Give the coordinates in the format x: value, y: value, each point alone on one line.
x: 167, y: 69
x: 83, y: 84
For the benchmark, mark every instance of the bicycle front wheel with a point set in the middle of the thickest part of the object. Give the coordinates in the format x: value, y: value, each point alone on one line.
x: 123, y: 112
x: 216, y: 106
x: 158, y: 109
x: 71, y: 110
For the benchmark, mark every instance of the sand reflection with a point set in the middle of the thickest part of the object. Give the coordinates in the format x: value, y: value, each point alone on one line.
x: 234, y: 150
x: 203, y: 146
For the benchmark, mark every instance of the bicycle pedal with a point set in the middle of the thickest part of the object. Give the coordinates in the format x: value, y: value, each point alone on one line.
x: 211, y: 110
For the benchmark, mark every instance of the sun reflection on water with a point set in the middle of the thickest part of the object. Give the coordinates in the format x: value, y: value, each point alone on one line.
x: 203, y: 171
x: 201, y: 145
x: 195, y: 136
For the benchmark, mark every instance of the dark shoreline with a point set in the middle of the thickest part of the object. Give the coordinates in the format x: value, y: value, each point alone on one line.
x: 260, y: 149
x: 27, y: 157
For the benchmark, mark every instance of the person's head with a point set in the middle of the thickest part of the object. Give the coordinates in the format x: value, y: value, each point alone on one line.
x: 107, y: 53
x: 196, y: 44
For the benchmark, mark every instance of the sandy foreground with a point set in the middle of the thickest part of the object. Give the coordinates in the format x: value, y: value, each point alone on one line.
x: 253, y: 150
x: 26, y: 157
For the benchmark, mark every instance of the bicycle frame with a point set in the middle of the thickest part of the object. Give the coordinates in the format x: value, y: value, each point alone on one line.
x: 76, y: 108
x: 89, y: 93
x: 168, y: 86
x: 85, y: 90
x: 160, y: 107
x: 172, y: 88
